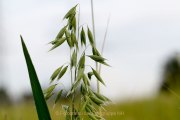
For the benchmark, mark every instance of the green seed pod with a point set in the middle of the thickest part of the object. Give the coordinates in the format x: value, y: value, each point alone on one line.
x: 71, y: 20
x: 84, y: 105
x: 58, y: 43
x: 83, y: 37
x: 47, y: 96
x: 73, y: 38
x: 92, y: 116
x: 68, y: 37
x: 83, y: 90
x: 53, y: 42
x: 70, y: 12
x: 90, y: 36
x: 81, y: 62
x: 97, y: 58
x: 87, y: 110
x: 103, y: 62
x: 58, y: 96
x: 95, y: 51
x: 91, y: 93
x: 96, y: 100
x: 73, y: 23
x: 91, y: 107
x: 50, y: 89
x: 98, y: 76
x: 55, y: 73
x: 75, y: 85
x: 85, y: 80
x: 103, y: 98
x: 62, y: 72
x: 74, y: 59
x: 80, y: 73
x: 61, y: 32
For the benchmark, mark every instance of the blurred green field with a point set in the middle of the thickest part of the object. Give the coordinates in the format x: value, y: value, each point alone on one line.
x: 164, y: 107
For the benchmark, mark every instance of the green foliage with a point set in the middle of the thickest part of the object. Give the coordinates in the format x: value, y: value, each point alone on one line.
x: 41, y: 106
x: 80, y: 76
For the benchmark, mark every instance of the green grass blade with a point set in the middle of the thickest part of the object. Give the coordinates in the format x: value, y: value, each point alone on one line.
x: 41, y: 106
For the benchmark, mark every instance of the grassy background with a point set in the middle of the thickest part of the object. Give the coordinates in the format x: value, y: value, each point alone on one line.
x: 163, y: 107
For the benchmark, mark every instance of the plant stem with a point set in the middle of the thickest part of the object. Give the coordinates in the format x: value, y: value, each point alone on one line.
x: 72, y: 104
x: 94, y: 35
x: 93, y: 23
x: 78, y: 24
x: 104, y: 41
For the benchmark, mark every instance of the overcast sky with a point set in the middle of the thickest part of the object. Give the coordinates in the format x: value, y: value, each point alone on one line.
x: 141, y: 36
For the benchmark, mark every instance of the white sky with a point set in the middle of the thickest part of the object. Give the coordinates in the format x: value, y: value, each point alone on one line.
x: 141, y: 36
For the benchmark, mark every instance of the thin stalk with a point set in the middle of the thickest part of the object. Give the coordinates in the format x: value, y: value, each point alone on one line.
x: 75, y: 70
x: 94, y: 35
x: 78, y: 24
x: 104, y: 41
x: 93, y: 23
x: 72, y: 104
x: 73, y: 97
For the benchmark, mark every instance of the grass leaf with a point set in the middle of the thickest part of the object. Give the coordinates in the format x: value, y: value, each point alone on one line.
x: 41, y: 106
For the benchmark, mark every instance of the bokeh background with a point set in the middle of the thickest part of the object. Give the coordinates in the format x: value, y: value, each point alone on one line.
x: 142, y: 36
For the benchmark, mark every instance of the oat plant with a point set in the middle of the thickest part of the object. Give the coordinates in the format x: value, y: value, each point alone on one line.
x: 79, y: 38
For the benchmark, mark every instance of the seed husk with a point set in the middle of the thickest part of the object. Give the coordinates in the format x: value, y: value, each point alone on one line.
x: 83, y: 37
x: 62, y: 72
x: 85, y: 80
x: 98, y: 76
x: 68, y: 37
x: 82, y: 61
x: 102, y: 97
x: 50, y: 89
x: 90, y: 36
x: 55, y: 73
x: 97, y: 58
x: 74, y: 59
x: 58, y: 43
x: 61, y: 32
x: 73, y: 23
x: 58, y: 96
x: 70, y: 12
x: 95, y: 51
x: 96, y: 100
x: 73, y: 38
x: 47, y: 96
